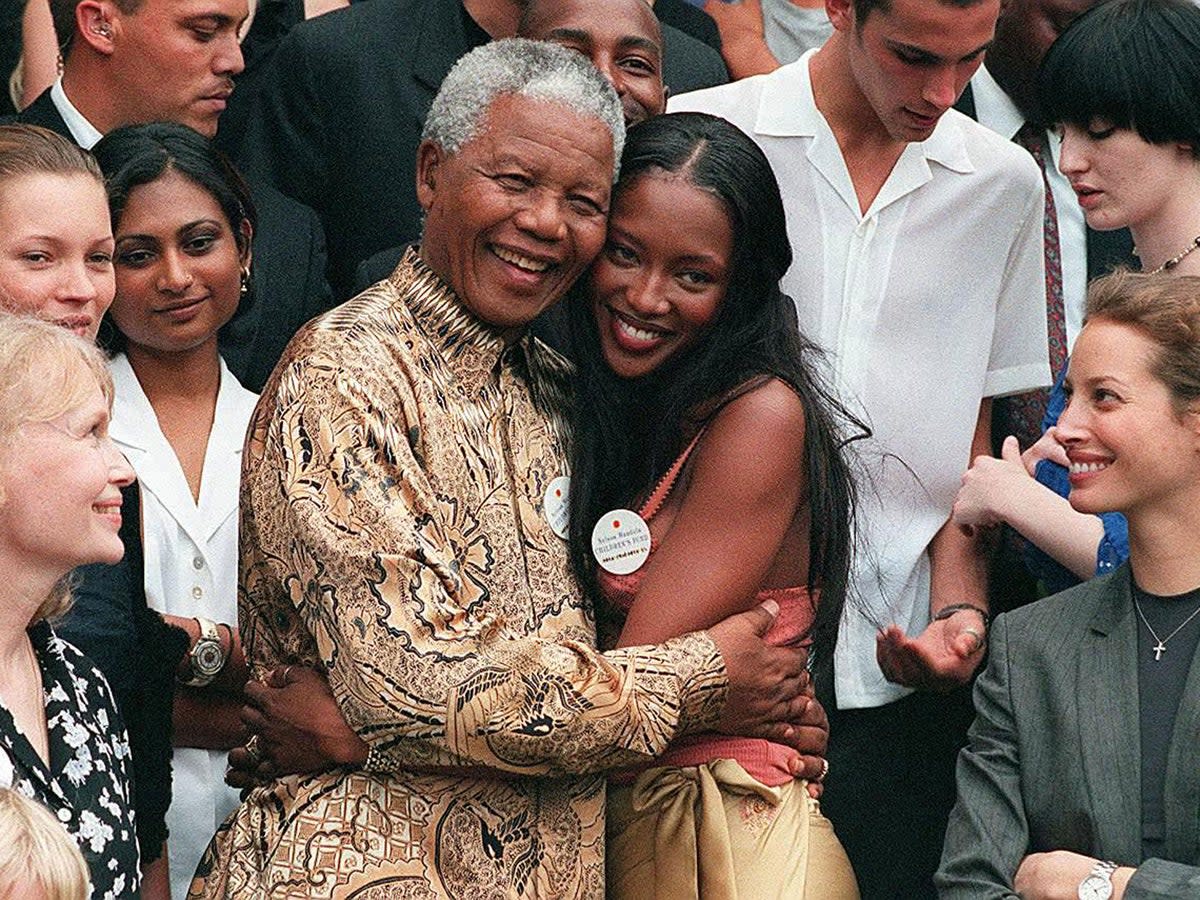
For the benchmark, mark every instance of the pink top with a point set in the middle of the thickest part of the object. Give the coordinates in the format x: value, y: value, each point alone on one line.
x: 762, y: 759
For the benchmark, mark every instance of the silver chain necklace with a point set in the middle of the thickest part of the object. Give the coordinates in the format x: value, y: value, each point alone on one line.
x: 1161, y: 647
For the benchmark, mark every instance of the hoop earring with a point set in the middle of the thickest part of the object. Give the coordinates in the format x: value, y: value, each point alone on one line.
x: 245, y: 280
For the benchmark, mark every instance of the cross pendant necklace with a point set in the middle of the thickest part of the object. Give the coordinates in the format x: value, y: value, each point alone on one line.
x: 1161, y: 647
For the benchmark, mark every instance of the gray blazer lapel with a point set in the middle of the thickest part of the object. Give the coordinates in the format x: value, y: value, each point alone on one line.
x: 1182, y: 790
x: 1108, y: 723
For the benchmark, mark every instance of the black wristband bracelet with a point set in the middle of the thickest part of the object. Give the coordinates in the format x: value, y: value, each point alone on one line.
x: 947, y: 611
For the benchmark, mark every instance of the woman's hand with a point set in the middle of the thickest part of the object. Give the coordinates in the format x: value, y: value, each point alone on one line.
x: 1048, y: 447
x: 991, y: 487
x: 1057, y: 874
x: 296, y: 726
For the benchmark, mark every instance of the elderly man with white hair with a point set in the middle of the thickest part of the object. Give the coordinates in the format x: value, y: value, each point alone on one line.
x: 395, y: 533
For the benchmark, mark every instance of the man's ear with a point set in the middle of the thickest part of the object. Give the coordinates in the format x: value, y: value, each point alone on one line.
x: 94, y: 23
x: 841, y: 14
x: 429, y: 161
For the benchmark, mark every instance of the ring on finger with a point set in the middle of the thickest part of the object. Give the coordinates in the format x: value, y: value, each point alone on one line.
x: 824, y: 770
x: 253, y: 751
x: 978, y: 638
x: 287, y: 670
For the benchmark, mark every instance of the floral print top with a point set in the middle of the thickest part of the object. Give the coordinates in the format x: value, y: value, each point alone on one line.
x: 392, y: 532
x: 87, y: 785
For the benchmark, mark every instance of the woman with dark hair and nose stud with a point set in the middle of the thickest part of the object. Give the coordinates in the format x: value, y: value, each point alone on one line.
x: 183, y: 222
x: 701, y: 423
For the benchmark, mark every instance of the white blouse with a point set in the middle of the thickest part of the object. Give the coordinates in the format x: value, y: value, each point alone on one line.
x: 191, y: 564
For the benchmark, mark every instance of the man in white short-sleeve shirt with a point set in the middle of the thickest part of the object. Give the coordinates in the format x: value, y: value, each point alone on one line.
x: 918, y: 265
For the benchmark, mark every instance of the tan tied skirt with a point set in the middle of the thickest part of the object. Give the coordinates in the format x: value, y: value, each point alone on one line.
x: 713, y: 832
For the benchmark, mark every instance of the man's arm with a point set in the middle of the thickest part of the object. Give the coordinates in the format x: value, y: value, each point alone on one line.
x: 948, y: 651
x: 338, y: 510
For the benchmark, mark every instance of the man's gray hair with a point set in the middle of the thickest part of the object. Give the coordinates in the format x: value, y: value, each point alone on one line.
x: 535, y: 69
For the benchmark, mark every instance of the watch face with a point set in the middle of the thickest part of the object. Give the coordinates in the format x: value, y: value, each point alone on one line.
x: 1095, y: 887
x: 207, y: 657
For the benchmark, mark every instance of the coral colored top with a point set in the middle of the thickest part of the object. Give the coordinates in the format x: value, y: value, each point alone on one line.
x: 762, y: 759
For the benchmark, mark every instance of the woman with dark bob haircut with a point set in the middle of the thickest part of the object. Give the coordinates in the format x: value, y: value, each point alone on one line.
x: 183, y: 223
x: 707, y: 475
x: 1123, y: 83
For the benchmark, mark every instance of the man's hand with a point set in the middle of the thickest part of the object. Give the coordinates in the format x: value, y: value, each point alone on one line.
x: 297, y: 727
x: 770, y: 693
x: 1054, y: 875
x: 940, y: 658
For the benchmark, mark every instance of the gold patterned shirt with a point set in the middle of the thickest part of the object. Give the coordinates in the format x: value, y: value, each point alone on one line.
x: 393, y: 533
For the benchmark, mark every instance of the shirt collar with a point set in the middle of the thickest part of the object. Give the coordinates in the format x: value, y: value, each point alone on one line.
x: 993, y: 107
x: 84, y: 132
x: 471, y: 347
x: 788, y: 109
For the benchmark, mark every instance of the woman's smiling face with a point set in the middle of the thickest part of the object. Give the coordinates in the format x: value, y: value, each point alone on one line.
x: 662, y: 276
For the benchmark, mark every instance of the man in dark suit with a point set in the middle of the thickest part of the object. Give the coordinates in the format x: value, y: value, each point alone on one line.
x: 164, y: 60
x: 342, y: 108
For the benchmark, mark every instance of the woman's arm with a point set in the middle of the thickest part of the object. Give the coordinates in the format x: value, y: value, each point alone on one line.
x: 232, y: 678
x: 747, y: 484
x: 1002, y: 490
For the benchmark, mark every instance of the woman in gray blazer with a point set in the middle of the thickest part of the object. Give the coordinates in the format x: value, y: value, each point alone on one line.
x: 1081, y: 777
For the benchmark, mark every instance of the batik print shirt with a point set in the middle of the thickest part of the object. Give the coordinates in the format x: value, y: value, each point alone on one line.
x: 87, y: 785
x: 393, y: 532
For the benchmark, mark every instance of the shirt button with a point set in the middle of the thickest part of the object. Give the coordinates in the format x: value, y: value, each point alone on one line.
x: 64, y: 815
x: 197, y: 563
x: 197, y: 592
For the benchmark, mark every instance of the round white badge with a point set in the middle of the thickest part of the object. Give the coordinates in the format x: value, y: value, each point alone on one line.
x: 621, y: 541
x: 554, y: 505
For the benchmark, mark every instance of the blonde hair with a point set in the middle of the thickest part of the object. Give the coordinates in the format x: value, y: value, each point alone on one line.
x: 35, y: 850
x: 32, y: 150
x: 45, y: 372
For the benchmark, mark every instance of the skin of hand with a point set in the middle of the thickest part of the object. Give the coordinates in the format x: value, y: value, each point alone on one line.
x: 743, y: 43
x: 990, y: 486
x: 940, y: 658
x: 767, y: 694
x: 1048, y: 447
x: 1057, y: 874
x: 299, y: 725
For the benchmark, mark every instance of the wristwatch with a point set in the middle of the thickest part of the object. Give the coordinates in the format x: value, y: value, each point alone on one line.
x: 1098, y: 884
x: 207, y: 656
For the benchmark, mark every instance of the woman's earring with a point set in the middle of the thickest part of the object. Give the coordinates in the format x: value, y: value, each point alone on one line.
x: 245, y: 280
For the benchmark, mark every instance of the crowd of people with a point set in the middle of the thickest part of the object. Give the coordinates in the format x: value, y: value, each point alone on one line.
x: 600, y: 448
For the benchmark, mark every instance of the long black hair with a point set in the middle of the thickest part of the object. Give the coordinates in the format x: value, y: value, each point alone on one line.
x: 628, y: 431
x: 135, y: 155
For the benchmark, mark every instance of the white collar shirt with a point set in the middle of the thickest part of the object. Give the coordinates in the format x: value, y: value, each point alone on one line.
x: 929, y: 302
x: 191, y: 566
x: 994, y: 109
x: 86, y: 134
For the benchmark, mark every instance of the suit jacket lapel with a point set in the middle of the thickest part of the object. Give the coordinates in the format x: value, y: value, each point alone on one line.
x: 1182, y: 789
x: 1108, y: 722
x: 43, y: 112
